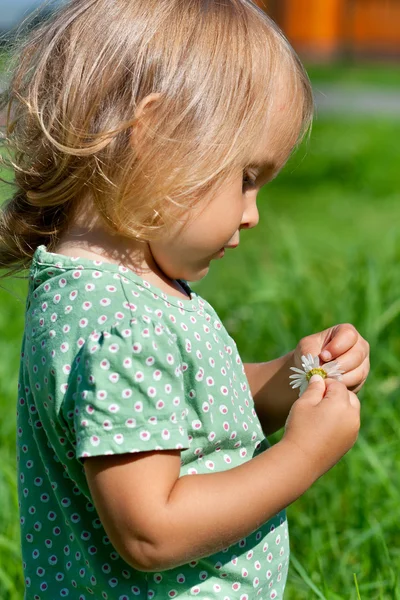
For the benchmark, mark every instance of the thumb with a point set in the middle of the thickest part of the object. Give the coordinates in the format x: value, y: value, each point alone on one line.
x: 315, y: 391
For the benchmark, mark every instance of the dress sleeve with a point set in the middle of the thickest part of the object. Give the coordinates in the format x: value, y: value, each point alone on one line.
x: 129, y: 393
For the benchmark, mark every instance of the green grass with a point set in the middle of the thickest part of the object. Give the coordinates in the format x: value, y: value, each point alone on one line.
x: 349, y: 74
x: 326, y: 250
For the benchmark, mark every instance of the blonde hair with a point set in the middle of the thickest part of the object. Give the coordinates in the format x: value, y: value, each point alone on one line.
x: 77, y: 81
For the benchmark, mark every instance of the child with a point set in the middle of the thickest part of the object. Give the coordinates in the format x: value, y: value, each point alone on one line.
x: 141, y: 133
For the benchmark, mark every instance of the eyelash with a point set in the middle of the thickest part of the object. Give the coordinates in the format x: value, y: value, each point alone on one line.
x: 247, y: 180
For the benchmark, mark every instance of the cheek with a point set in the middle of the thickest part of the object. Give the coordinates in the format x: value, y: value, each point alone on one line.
x: 205, y: 238
x: 225, y: 219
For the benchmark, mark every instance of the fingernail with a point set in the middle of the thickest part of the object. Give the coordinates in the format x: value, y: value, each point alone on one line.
x: 316, y: 378
x: 326, y: 355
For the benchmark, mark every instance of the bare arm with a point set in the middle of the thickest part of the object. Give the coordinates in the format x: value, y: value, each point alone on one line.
x: 206, y: 513
x: 157, y: 520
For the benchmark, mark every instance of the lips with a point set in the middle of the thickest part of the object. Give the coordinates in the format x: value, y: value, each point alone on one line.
x: 222, y: 250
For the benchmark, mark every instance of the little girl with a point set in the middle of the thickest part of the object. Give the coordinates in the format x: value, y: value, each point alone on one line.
x: 140, y: 132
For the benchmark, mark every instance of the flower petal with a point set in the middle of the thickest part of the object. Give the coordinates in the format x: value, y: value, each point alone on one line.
x: 307, y: 360
x: 333, y: 370
x: 297, y: 370
x: 296, y: 384
x: 303, y: 388
x: 332, y: 364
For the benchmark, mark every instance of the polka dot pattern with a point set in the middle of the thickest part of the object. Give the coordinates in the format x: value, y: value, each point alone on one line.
x: 127, y: 400
x: 110, y: 364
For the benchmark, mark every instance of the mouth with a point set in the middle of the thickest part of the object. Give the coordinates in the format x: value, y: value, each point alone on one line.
x: 221, y: 251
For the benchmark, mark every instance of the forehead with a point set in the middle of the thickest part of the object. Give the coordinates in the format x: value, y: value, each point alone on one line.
x: 281, y: 131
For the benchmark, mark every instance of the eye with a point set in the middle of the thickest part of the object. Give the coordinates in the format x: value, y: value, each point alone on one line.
x: 249, y: 179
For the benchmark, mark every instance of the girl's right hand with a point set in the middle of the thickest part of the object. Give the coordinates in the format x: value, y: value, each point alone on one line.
x: 323, y: 423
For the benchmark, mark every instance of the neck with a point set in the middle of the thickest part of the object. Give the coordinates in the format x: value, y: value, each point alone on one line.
x: 96, y: 243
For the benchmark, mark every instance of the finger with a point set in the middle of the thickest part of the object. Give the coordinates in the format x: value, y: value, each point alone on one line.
x: 354, y: 401
x: 354, y: 380
x: 315, y: 391
x: 353, y: 358
x: 344, y: 337
x: 334, y: 389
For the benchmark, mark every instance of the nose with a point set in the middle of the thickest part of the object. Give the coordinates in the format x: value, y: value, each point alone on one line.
x: 251, y: 216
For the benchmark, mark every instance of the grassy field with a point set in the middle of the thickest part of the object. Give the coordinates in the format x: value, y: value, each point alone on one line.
x: 384, y: 75
x: 326, y: 251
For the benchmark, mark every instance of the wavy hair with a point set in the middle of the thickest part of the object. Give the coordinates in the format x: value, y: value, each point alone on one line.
x: 76, y: 81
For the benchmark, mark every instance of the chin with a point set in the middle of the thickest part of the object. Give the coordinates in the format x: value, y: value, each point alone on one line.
x: 197, y: 275
x: 191, y: 274
x: 173, y: 271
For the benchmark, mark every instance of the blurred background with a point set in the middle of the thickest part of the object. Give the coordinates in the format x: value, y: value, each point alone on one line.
x: 326, y: 251
x: 332, y: 29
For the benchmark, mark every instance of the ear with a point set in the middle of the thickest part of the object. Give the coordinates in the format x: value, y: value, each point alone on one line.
x: 141, y: 120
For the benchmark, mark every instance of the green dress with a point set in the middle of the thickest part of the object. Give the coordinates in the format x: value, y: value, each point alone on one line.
x: 111, y: 364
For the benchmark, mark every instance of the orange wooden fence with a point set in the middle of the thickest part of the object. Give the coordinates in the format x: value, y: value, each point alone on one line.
x: 376, y: 24
x: 328, y: 27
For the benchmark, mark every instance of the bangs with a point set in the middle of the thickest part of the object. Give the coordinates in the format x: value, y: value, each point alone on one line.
x: 272, y: 75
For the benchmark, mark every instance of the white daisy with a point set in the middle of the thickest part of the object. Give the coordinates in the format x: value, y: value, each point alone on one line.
x: 311, y: 366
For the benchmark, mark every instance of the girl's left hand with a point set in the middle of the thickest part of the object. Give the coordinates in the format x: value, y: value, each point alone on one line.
x: 344, y: 344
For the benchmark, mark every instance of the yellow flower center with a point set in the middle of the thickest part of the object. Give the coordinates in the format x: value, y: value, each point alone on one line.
x: 317, y: 371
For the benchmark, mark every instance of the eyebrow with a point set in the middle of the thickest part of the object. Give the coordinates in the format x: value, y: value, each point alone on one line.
x: 263, y: 168
x: 268, y: 166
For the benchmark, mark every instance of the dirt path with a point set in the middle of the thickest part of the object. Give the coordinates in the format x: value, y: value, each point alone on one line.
x: 357, y: 100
